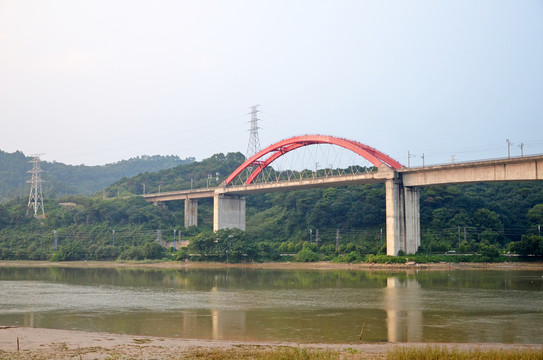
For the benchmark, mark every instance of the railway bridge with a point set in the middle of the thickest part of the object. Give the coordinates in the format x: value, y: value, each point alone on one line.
x: 402, y: 185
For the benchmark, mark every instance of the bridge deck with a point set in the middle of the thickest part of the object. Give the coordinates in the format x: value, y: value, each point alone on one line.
x: 344, y: 180
x: 514, y: 169
x: 180, y: 195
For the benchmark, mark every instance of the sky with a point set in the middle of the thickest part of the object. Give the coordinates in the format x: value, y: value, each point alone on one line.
x: 95, y: 82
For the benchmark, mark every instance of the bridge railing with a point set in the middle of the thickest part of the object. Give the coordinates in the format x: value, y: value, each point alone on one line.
x: 473, y: 161
x: 269, y: 174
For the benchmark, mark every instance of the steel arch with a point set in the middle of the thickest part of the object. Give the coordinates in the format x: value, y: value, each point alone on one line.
x: 284, y: 146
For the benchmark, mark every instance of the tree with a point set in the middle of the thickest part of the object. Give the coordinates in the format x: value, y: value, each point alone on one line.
x: 528, y: 245
x: 535, y: 214
x: 307, y: 255
x: 487, y: 219
x: 132, y: 253
x: 153, y: 250
x: 70, y: 252
x: 203, y: 244
x: 489, y: 251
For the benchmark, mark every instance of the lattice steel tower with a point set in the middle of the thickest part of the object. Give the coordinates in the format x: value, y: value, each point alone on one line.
x: 35, y: 199
x: 254, y: 141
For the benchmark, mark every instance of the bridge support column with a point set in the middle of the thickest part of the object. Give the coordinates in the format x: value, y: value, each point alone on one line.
x: 191, y: 212
x: 412, y: 219
x: 393, y: 213
x: 402, y: 218
x: 228, y: 212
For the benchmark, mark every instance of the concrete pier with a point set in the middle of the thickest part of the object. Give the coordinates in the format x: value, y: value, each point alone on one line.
x: 191, y: 212
x: 412, y: 219
x: 228, y: 212
x: 402, y: 218
x: 394, y: 199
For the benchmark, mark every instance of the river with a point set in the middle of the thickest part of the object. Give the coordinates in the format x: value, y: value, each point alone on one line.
x: 333, y: 306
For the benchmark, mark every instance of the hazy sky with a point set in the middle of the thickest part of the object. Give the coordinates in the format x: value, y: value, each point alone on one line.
x: 95, y: 82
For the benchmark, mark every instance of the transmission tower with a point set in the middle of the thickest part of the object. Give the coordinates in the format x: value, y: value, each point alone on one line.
x: 254, y: 142
x: 35, y: 199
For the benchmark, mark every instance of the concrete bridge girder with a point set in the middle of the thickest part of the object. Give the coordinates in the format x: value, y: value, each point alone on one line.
x: 516, y: 169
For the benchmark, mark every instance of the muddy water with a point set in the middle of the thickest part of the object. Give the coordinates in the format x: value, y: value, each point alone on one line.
x: 277, y: 305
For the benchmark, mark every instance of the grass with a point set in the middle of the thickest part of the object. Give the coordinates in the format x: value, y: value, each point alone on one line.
x: 398, y: 353
x: 436, y: 258
x: 263, y: 353
x: 453, y: 353
x: 257, y: 352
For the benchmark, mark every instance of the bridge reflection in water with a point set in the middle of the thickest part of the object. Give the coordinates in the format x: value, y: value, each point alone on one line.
x: 225, y: 324
x: 404, y: 312
x: 402, y: 303
x: 280, y: 305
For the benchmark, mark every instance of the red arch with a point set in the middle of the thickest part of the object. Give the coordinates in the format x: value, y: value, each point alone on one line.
x: 282, y: 147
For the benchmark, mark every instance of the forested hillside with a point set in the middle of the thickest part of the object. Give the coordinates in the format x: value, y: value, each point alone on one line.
x: 497, y: 213
x: 61, y: 179
x: 493, y: 213
x: 208, y: 172
x: 469, y: 218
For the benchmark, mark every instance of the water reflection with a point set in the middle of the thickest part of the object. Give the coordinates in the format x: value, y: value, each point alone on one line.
x: 279, y: 305
x: 29, y: 320
x: 404, y: 311
x: 225, y: 324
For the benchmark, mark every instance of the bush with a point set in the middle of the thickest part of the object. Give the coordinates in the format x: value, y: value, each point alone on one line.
x: 107, y: 252
x: 350, y: 248
x: 307, y: 255
x: 133, y: 253
x: 6, y: 254
x: 181, y: 254
x: 153, y: 250
x: 528, y: 245
x: 267, y: 252
x: 339, y: 259
x: 353, y: 256
x: 385, y: 259
x: 489, y: 251
x: 70, y: 252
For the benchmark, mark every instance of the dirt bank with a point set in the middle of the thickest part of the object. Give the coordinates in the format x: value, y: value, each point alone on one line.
x: 280, y: 265
x: 38, y: 343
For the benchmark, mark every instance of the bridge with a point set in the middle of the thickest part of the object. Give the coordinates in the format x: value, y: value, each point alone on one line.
x: 402, y: 185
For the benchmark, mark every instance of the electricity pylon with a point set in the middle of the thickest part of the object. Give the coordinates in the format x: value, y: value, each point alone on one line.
x: 254, y: 141
x: 35, y: 199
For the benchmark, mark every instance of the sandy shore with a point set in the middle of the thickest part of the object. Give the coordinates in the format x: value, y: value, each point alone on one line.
x: 38, y: 343
x: 537, y: 266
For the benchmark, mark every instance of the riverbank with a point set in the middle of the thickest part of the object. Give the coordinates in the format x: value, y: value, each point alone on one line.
x: 39, y: 343
x: 536, y: 266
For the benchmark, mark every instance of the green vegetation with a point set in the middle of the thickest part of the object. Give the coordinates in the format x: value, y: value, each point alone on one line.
x: 196, y: 174
x: 266, y: 352
x: 61, y: 179
x: 397, y: 353
x: 454, y: 353
x: 260, y: 353
x: 460, y: 223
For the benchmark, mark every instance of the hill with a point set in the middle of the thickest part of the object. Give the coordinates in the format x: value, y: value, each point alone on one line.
x: 61, y: 179
x: 490, y: 213
x: 470, y: 218
x: 208, y: 172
